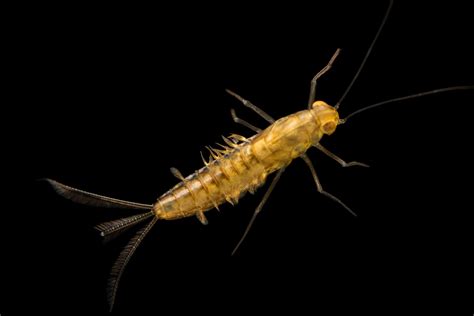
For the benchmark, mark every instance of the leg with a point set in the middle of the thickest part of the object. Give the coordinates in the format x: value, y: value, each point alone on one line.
x: 244, y: 123
x: 312, y: 91
x: 248, y: 104
x: 259, y: 208
x: 339, y: 160
x: 320, y: 187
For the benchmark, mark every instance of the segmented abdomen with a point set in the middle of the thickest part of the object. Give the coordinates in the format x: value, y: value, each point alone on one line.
x: 223, y: 179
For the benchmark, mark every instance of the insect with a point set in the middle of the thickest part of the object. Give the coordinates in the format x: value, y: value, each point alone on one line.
x: 240, y: 166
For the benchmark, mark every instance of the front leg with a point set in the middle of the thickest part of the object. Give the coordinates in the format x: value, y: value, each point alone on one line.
x: 339, y: 160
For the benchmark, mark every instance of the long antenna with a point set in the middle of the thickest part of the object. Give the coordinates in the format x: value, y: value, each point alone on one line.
x: 366, y: 55
x: 412, y: 96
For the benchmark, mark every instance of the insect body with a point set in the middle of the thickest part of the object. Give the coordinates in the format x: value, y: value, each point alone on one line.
x: 241, y: 166
x: 245, y: 164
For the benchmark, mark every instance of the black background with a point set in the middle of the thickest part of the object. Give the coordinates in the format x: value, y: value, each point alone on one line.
x: 109, y: 98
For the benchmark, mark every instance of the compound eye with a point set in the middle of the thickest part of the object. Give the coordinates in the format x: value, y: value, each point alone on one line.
x: 329, y: 127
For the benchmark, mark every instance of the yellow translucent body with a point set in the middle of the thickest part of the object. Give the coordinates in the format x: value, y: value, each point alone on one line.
x: 246, y: 166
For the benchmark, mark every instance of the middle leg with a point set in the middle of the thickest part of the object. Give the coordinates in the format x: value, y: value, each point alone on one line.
x: 319, y: 187
x: 251, y: 106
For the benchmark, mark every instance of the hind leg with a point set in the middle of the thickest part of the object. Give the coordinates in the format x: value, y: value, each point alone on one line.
x: 259, y: 208
x: 240, y: 121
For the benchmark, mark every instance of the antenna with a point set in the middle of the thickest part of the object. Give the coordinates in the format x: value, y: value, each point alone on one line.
x: 366, y: 55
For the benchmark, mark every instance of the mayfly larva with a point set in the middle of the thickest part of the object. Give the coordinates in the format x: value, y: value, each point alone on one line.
x: 240, y: 166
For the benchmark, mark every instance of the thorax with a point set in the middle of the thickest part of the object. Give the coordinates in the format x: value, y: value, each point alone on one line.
x: 286, y: 139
